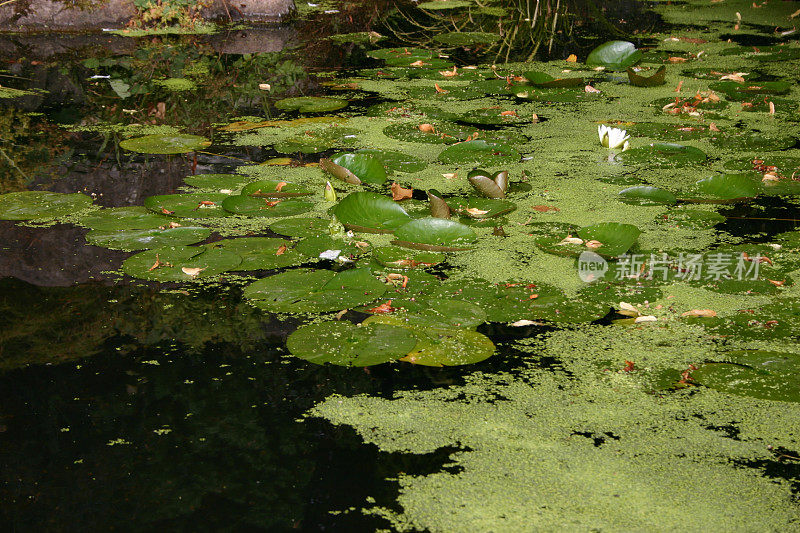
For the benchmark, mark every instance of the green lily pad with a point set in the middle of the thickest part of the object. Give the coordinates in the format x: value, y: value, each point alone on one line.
x: 784, y: 166
x: 441, y: 5
x: 252, y: 206
x: 228, y: 182
x: 670, y: 132
x: 275, y: 189
x: 466, y: 38
x: 541, y: 79
x: 616, y: 238
x: 655, y: 80
x: 610, y: 293
x: 261, y: 253
x: 346, y: 344
x: 661, y: 155
x: 300, y: 227
x: 361, y: 37
x: 190, y: 205
x: 311, y: 104
x: 753, y: 141
x: 754, y: 373
x: 479, y: 151
x: 315, y: 245
x: 741, y: 91
x: 553, y: 95
x: 401, y: 258
x: 492, y: 116
x: 693, y: 218
x: 356, y: 168
x: 647, y: 195
x: 372, y: 212
x: 445, y: 92
x: 726, y: 188
x: 491, y: 186
x: 439, y: 312
x: 412, y: 53
x: 434, y: 234
x: 305, y: 144
x: 441, y: 346
x: 314, y: 291
x: 30, y: 205
x: 397, y: 161
x: 124, y: 218
x: 168, y: 263
x: 165, y: 144
x: 131, y: 240
x: 614, y: 55
x: 509, y: 302
x: 481, y: 208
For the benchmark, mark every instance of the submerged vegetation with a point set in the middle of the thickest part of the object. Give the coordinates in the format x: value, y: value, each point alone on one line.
x: 621, y: 312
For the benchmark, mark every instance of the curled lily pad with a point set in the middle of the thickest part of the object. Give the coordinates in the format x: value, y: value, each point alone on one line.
x: 142, y: 239
x: 479, y: 151
x: 124, y: 218
x: 355, y: 168
x: 726, y: 188
x: 397, y: 161
x: 396, y: 257
x: 614, y: 55
x: 191, y: 205
x: 254, y: 206
x: 655, y: 80
x: 180, y: 263
x: 663, y: 155
x: 260, y: 253
x: 466, y: 38
x: 275, y: 189
x: 441, y: 346
x: 371, y: 212
x: 346, y: 344
x: 541, y: 79
x: 311, y: 104
x: 491, y: 187
x: 314, y: 291
x: 647, y: 195
x: 165, y: 144
x: 30, y: 205
x: 439, y: 207
x: 300, y: 227
x: 435, y: 234
x: 755, y: 373
x: 481, y: 208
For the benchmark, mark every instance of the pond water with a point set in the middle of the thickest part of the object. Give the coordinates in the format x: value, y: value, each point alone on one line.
x: 376, y: 270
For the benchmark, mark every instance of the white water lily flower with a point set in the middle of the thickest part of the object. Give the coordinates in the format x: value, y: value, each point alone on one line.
x: 613, y: 137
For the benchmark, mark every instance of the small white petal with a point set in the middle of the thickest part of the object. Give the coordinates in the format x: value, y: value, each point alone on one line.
x: 330, y: 254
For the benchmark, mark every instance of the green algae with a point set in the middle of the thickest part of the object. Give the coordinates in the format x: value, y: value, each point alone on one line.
x: 593, y: 451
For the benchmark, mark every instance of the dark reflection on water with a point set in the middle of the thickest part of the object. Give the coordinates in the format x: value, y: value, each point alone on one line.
x: 181, y: 411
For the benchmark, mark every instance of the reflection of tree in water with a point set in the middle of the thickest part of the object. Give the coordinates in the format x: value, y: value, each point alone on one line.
x: 187, y: 416
x: 28, y: 144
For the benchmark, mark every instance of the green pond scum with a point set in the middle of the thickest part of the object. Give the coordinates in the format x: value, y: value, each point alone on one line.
x: 538, y: 284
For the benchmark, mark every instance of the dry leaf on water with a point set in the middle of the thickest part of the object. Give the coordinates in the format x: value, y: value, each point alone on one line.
x: 700, y: 313
x: 400, y: 193
x: 192, y: 271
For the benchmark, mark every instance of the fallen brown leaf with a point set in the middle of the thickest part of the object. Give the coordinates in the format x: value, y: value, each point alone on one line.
x: 400, y: 193
x: 707, y: 313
